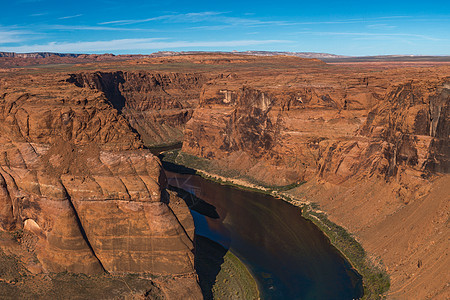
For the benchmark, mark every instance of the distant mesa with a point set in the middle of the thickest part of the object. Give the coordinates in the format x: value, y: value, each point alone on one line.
x: 36, y: 54
x: 327, y: 57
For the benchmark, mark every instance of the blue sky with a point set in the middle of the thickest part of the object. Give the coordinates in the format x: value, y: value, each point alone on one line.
x: 137, y: 26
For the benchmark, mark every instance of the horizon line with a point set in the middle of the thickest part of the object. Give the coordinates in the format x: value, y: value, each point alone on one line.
x: 222, y: 51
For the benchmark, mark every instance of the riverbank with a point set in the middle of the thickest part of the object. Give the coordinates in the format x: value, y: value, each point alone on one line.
x: 375, y: 279
x: 222, y: 275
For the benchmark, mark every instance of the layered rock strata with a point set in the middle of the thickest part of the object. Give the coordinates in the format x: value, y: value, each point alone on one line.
x: 302, y: 130
x: 373, y: 147
x: 75, y: 177
x: 370, y: 140
x: 156, y: 105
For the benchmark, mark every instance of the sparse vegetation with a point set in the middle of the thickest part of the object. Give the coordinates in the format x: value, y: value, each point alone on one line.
x: 201, y: 164
x: 375, y: 280
x: 156, y: 149
x: 221, y: 274
x: 234, y: 280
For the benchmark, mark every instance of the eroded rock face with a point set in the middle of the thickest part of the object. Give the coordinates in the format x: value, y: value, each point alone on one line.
x: 74, y: 174
x: 403, y: 131
x: 373, y: 146
x: 322, y: 130
x: 156, y: 105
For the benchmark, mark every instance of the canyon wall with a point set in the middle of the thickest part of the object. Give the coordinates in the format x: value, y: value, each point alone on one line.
x: 336, y: 130
x: 372, y: 146
x: 157, y: 106
x: 89, y: 198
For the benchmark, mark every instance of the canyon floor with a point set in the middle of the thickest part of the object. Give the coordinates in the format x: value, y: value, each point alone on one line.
x: 365, y: 143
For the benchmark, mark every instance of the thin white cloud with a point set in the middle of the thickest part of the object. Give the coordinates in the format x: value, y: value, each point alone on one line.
x: 189, y: 17
x: 350, y: 21
x: 95, y: 28
x: 134, y: 44
x: 212, y: 27
x: 215, y: 18
x: 250, y: 22
x: 371, y: 34
x: 8, y: 36
x: 208, y: 16
x: 38, y: 14
x: 70, y: 17
x: 388, y: 17
x: 381, y: 26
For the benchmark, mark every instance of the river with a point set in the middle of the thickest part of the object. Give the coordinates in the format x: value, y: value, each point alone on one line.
x: 288, y: 255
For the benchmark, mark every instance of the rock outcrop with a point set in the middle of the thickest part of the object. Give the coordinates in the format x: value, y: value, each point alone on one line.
x: 324, y: 130
x: 156, y: 105
x: 75, y: 177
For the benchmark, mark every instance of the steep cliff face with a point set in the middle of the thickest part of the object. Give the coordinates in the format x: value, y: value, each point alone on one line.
x: 415, y: 118
x: 274, y: 133
x: 156, y: 105
x: 75, y: 178
x: 247, y: 126
x: 390, y: 187
x: 405, y: 130
x: 373, y: 147
x: 315, y: 131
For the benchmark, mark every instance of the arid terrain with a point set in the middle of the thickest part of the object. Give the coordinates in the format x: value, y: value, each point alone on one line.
x: 366, y: 143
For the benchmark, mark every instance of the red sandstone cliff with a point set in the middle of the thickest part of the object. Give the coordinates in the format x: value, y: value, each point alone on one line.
x: 373, y: 146
x: 299, y: 132
x: 156, y: 105
x: 75, y: 177
x: 372, y: 143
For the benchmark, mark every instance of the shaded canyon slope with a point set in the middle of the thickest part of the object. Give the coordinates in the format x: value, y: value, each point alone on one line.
x: 371, y: 141
x: 89, y: 198
x: 156, y: 105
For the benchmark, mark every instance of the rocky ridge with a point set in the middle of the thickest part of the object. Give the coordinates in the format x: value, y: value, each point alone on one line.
x: 372, y: 145
x: 156, y: 105
x: 75, y: 177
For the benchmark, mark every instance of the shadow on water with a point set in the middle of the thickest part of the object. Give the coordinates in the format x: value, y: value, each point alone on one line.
x: 195, y: 203
x: 168, y: 166
x: 157, y: 150
x: 209, y: 256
